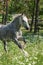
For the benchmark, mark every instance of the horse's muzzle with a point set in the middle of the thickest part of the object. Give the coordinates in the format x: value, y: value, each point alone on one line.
x: 27, y: 28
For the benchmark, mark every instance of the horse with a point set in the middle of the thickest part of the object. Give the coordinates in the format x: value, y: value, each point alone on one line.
x: 12, y: 31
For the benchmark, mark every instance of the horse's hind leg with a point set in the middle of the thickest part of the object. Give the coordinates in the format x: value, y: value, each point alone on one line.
x: 5, y: 45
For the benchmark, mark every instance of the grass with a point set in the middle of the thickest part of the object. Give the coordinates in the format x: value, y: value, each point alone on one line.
x: 34, y: 47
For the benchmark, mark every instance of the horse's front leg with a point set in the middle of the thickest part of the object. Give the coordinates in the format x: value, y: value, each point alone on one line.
x: 19, y: 36
x: 20, y: 46
x: 5, y: 46
x: 22, y: 39
x: 17, y: 43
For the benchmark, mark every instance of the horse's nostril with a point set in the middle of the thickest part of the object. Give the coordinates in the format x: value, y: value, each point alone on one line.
x: 27, y: 28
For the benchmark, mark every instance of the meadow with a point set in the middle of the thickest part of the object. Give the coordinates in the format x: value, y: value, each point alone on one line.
x: 34, y: 47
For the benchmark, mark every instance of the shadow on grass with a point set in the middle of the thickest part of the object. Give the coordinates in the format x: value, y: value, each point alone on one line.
x: 33, y: 38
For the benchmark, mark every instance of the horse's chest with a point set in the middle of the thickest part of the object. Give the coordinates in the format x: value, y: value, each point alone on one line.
x: 19, y: 34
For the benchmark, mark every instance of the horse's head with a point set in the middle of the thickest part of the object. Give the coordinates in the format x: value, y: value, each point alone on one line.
x: 25, y: 22
x: 21, y: 19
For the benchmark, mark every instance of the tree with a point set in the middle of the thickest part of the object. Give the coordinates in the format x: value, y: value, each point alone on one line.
x: 36, y: 15
x: 33, y: 13
x: 5, y: 11
x: 6, y: 15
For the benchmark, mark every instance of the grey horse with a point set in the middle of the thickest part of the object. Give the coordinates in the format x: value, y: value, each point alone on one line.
x: 13, y: 32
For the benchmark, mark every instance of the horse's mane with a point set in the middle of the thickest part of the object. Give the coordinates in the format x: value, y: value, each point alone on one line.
x: 15, y: 16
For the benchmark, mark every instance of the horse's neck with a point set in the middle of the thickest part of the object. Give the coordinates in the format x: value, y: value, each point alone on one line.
x: 16, y: 23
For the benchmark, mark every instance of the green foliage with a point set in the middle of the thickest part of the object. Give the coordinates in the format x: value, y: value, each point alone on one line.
x: 20, y: 6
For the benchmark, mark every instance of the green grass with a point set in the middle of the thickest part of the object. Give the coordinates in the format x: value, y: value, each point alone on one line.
x: 34, y: 47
